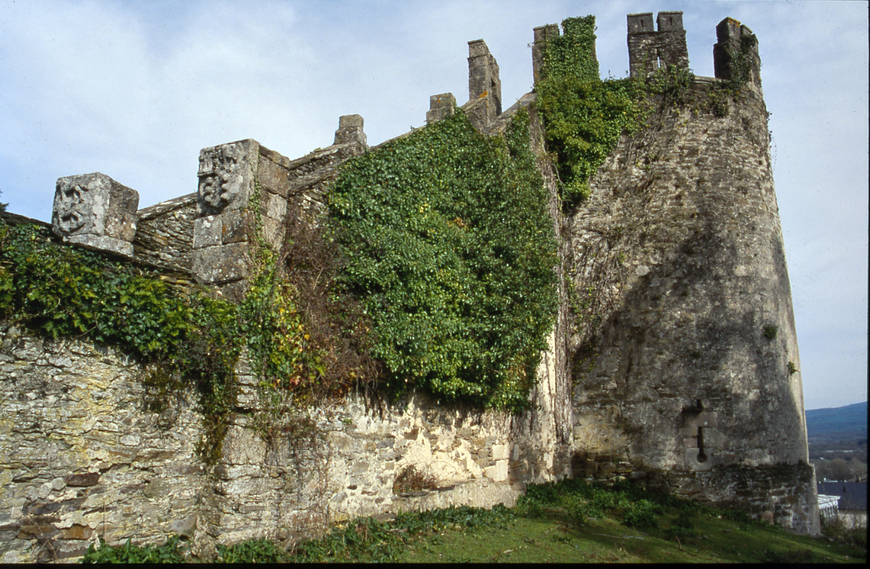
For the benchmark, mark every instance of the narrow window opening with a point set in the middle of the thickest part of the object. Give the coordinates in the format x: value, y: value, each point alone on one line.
x: 702, y: 456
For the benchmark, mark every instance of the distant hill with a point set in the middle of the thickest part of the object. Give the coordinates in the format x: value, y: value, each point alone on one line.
x: 851, y: 419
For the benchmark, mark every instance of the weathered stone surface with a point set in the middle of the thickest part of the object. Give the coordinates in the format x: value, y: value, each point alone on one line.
x: 484, y: 86
x: 350, y: 129
x: 82, y: 458
x: 226, y: 176
x: 222, y: 263
x: 95, y: 211
x: 736, y: 46
x: 164, y: 234
x: 440, y: 107
x: 650, y: 49
x: 678, y: 266
x: 676, y: 262
x: 63, y: 474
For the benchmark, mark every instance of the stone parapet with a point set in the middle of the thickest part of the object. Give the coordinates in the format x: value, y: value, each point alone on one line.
x: 164, y: 234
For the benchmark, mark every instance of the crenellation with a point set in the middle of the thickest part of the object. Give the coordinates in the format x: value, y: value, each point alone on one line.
x: 484, y: 86
x: 542, y: 35
x: 350, y: 129
x: 640, y: 23
x: 440, y: 107
x: 650, y: 49
x: 669, y: 21
x: 735, y: 55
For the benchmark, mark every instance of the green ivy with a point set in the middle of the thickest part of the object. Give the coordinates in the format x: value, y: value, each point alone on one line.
x: 449, y: 246
x: 583, y: 115
x: 187, y: 340
x: 66, y: 291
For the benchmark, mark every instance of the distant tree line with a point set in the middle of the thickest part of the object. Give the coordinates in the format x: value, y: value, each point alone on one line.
x: 839, y: 469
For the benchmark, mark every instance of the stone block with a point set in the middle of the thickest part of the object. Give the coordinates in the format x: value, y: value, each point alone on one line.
x: 243, y: 447
x: 273, y: 177
x: 713, y: 438
x: 705, y: 419
x: 440, y: 107
x: 670, y: 21
x: 235, y: 226
x: 273, y: 232
x: 497, y: 473
x: 639, y: 23
x: 692, y: 462
x: 76, y: 532
x: 222, y: 263
x: 207, y: 231
x: 274, y: 206
x: 499, y: 452
x: 95, y: 211
x: 226, y: 176
x: 83, y: 480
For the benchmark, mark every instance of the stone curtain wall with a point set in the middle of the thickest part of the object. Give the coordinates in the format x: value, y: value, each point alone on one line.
x: 82, y: 458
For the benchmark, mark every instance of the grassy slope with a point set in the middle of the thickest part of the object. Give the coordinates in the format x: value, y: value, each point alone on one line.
x: 547, y: 540
x: 572, y: 522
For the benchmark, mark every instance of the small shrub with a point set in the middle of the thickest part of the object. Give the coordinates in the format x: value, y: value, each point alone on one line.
x: 169, y: 552
x: 252, y: 551
x: 577, y: 513
x: 412, y: 480
x: 770, y: 332
x: 839, y: 530
x: 793, y: 556
x: 642, y: 514
x: 682, y: 526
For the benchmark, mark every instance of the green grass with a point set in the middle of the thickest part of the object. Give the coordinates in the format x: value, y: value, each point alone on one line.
x: 575, y: 523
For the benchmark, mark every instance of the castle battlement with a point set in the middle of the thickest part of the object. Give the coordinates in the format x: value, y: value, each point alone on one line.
x: 649, y: 49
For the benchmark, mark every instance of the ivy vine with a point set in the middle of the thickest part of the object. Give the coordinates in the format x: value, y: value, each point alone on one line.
x: 583, y: 115
x: 448, y: 245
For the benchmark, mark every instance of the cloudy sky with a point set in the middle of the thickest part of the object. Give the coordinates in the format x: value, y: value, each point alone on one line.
x: 134, y: 89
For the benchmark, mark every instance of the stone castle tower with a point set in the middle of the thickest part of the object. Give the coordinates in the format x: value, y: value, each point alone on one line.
x: 685, y: 357
x: 673, y: 361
